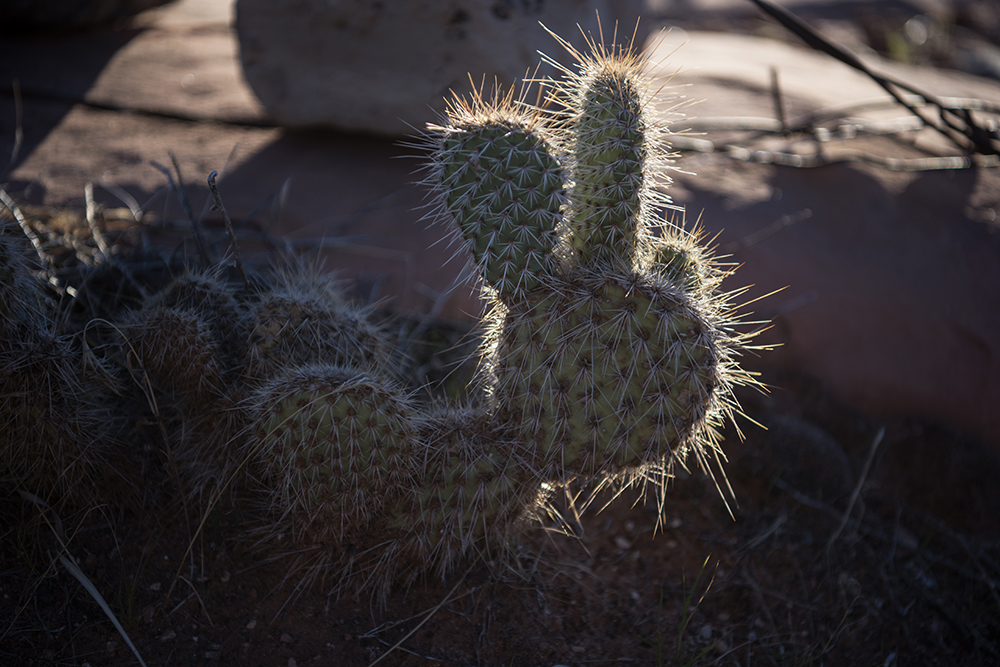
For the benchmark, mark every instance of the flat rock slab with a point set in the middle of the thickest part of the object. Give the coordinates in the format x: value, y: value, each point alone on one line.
x: 892, y: 282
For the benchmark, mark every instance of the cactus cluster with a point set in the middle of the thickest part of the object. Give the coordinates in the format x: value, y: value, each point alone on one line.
x: 613, y: 355
x: 607, y: 355
x: 58, y: 434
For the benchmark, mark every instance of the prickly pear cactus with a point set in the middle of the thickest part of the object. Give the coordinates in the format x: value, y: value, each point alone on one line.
x: 607, y: 355
x: 618, y: 356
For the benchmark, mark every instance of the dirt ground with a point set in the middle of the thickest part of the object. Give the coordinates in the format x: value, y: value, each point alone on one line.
x: 848, y: 538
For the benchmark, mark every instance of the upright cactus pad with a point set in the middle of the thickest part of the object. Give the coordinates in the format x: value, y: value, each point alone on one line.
x: 497, y: 175
x: 613, y: 148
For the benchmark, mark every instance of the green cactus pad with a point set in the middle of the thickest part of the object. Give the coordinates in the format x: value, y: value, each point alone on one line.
x: 680, y: 257
x: 605, y: 371
x: 305, y: 319
x: 608, y: 145
x: 500, y: 181
x: 615, y: 149
x: 178, y: 349
x: 337, y: 445
x: 206, y: 293
x: 474, y: 489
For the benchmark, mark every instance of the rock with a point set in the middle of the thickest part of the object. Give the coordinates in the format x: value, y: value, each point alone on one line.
x: 387, y: 67
x: 17, y: 16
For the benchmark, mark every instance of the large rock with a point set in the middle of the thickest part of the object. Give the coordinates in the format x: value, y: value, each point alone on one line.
x: 20, y: 16
x: 380, y: 66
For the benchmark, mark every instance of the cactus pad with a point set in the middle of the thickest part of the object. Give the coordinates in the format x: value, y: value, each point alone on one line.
x: 604, y: 371
x: 305, y: 319
x: 500, y: 181
x: 475, y: 486
x: 337, y: 443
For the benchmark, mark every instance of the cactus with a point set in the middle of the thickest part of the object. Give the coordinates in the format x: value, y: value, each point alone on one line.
x: 305, y: 319
x: 58, y: 433
x: 498, y: 177
x: 618, y: 357
x: 475, y: 488
x: 337, y: 443
x: 607, y: 355
x: 212, y: 298
x: 179, y: 351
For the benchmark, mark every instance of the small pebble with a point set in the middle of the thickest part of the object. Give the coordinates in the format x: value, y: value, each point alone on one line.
x: 706, y: 632
x: 629, y: 526
x: 724, y: 616
x: 211, y: 654
x: 676, y: 522
x: 622, y: 542
x: 671, y: 544
x: 252, y: 624
x: 577, y: 649
x: 168, y: 635
x: 286, y: 638
x: 225, y: 576
x: 154, y: 586
x: 292, y: 663
x: 634, y: 595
